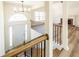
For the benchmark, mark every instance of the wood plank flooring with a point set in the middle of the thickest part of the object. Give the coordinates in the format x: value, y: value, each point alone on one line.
x: 56, y: 52
x: 75, y: 51
x: 71, y: 36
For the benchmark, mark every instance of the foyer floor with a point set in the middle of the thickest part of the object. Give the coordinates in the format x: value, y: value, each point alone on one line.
x: 75, y: 51
x: 73, y: 45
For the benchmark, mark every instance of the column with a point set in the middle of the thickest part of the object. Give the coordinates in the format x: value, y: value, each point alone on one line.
x: 29, y: 26
x: 65, y: 26
x: 49, y: 27
x: 2, y: 50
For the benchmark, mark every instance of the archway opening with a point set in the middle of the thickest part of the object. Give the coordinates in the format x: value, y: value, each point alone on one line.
x: 17, y: 29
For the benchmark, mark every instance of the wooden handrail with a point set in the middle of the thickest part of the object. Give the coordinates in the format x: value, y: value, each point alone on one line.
x: 26, y: 46
x: 59, y: 25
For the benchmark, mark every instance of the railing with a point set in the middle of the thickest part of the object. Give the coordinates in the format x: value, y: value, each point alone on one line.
x: 57, y: 29
x: 33, y: 48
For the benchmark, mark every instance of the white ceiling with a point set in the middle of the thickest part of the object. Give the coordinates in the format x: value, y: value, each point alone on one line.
x: 73, y: 4
x: 41, y: 3
x: 32, y: 4
x: 73, y: 8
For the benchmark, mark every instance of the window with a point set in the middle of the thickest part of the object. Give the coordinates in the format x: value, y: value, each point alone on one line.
x: 25, y: 32
x: 39, y: 16
x: 10, y: 33
x: 16, y: 18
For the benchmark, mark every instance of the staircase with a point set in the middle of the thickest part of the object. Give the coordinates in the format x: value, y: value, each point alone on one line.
x: 30, y: 49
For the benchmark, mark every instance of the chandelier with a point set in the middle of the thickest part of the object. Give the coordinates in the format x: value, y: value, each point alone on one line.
x: 21, y: 8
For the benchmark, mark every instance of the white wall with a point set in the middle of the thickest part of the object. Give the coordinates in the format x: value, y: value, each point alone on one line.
x: 8, y: 12
x: 73, y: 12
x: 41, y: 9
x: 77, y: 21
x: 2, y: 51
x: 57, y: 11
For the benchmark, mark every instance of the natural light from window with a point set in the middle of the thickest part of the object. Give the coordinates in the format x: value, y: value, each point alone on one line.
x: 16, y: 18
x: 39, y: 16
x: 26, y: 32
x: 11, y: 34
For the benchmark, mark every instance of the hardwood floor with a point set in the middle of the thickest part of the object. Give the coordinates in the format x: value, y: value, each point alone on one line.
x: 56, y: 52
x: 75, y: 51
x: 72, y: 35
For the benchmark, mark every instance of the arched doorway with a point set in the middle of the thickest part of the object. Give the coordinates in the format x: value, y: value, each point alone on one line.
x: 17, y: 29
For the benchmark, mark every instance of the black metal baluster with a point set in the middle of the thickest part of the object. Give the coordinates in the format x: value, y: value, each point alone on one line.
x: 41, y: 49
x: 55, y: 33
x: 31, y: 51
x: 60, y: 35
x: 44, y: 48
x: 25, y: 53
x: 37, y: 50
x: 16, y: 56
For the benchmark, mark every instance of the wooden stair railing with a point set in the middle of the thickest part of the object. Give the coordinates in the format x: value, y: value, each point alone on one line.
x: 57, y: 29
x: 32, y: 46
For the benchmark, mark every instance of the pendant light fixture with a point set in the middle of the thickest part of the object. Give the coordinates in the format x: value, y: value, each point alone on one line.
x: 21, y: 8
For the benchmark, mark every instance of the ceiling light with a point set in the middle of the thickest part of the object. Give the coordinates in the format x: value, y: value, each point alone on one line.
x: 21, y: 9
